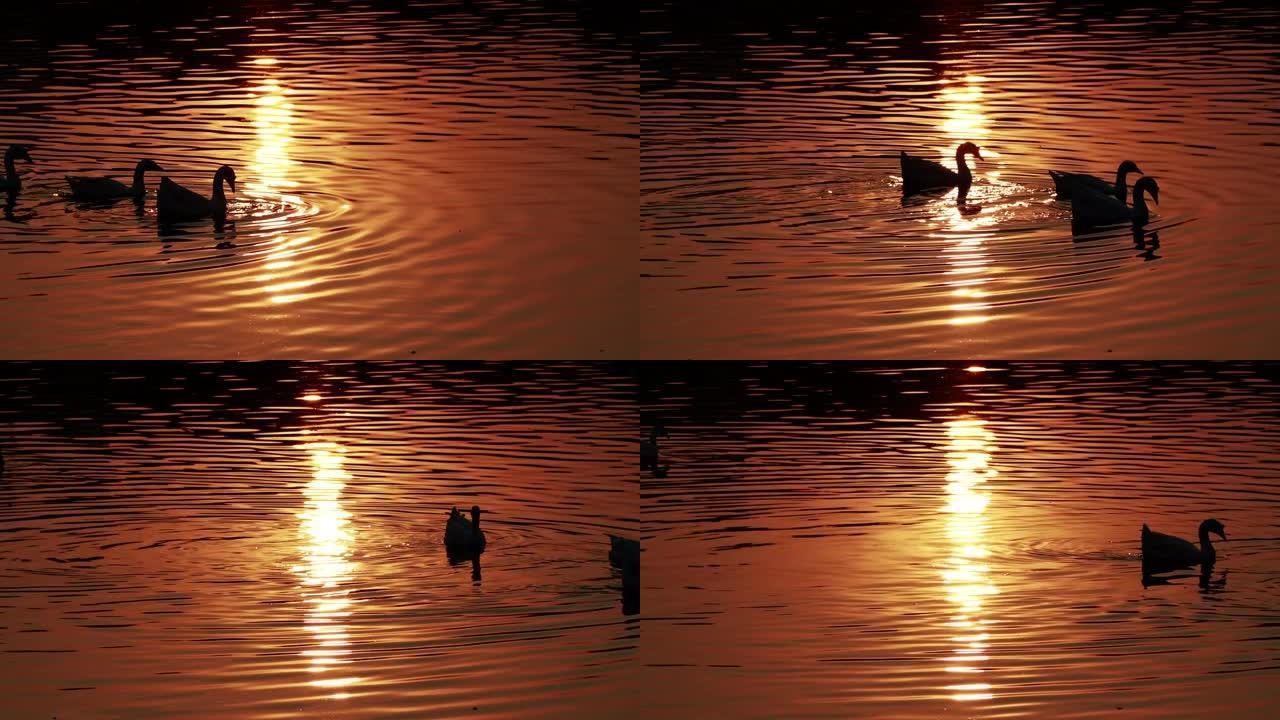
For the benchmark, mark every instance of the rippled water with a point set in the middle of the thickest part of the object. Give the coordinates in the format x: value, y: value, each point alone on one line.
x: 263, y: 541
x: 850, y: 541
x: 772, y: 221
x: 450, y: 179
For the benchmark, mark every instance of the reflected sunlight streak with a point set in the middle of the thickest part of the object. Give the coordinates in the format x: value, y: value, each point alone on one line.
x: 966, y: 577
x: 326, y: 546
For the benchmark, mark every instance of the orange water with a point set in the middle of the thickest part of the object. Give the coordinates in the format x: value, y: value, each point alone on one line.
x: 837, y: 542
x: 772, y: 221
x: 213, y: 541
x: 426, y: 180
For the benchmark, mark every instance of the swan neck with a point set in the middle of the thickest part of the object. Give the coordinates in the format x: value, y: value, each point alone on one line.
x: 961, y: 165
x: 138, y: 186
x: 10, y: 170
x: 1122, y: 187
x: 1206, y: 547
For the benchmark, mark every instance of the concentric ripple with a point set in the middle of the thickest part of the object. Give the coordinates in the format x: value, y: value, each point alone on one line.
x: 461, y: 181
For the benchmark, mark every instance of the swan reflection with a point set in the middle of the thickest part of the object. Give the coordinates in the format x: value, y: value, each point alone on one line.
x: 966, y: 575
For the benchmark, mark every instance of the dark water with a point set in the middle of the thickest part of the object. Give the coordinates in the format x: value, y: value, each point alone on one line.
x: 212, y: 540
x: 453, y: 179
x: 845, y: 542
x: 772, y: 222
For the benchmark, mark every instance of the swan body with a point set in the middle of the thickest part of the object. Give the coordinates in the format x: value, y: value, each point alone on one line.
x: 10, y: 182
x: 624, y: 552
x: 1068, y: 183
x: 1162, y: 552
x: 462, y: 535
x: 1093, y: 208
x: 175, y: 203
x: 107, y: 188
x: 920, y: 174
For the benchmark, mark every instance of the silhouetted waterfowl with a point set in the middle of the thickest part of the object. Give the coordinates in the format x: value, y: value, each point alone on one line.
x: 107, y: 188
x: 624, y: 552
x: 920, y: 174
x: 10, y: 182
x: 1162, y: 552
x: 175, y: 203
x: 1093, y: 208
x: 1066, y: 183
x: 649, y: 448
x: 461, y: 535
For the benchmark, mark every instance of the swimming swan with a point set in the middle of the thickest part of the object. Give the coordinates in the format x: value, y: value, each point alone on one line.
x: 175, y: 203
x: 1162, y: 552
x: 106, y: 188
x: 920, y: 174
x: 10, y: 182
x: 1067, y: 183
x: 1093, y: 208
x: 461, y: 535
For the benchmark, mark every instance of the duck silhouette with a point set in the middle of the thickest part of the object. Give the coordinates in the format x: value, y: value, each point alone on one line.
x: 11, y: 182
x: 1067, y: 183
x: 1162, y: 553
x: 100, y: 189
x: 1090, y: 208
x: 919, y: 174
x: 461, y: 535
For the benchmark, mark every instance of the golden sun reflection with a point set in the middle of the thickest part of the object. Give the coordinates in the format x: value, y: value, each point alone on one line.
x: 964, y: 119
x: 326, y: 572
x: 273, y: 123
x: 966, y: 576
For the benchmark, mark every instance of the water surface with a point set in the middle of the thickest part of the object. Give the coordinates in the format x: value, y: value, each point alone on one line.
x: 454, y: 180
x: 836, y: 542
x: 772, y: 220
x: 190, y: 541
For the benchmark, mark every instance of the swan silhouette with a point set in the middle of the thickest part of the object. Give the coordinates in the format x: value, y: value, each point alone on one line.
x: 10, y: 182
x: 1161, y: 552
x: 107, y: 188
x: 175, y: 203
x: 919, y: 174
x: 461, y: 535
x: 1089, y: 208
x: 1067, y: 183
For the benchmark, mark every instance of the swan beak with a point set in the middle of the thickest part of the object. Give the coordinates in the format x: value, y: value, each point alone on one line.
x: 977, y: 153
x: 232, y: 182
x: 1155, y: 195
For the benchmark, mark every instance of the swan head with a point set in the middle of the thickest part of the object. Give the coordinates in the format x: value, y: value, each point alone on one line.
x: 1128, y: 166
x: 1212, y: 526
x: 475, y: 515
x: 226, y: 173
x: 969, y: 149
x: 19, y: 152
x: 1147, y: 183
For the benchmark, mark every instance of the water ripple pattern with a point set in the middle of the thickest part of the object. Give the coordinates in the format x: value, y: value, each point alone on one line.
x: 837, y: 541
x: 264, y: 540
x: 772, y: 220
x: 452, y: 179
